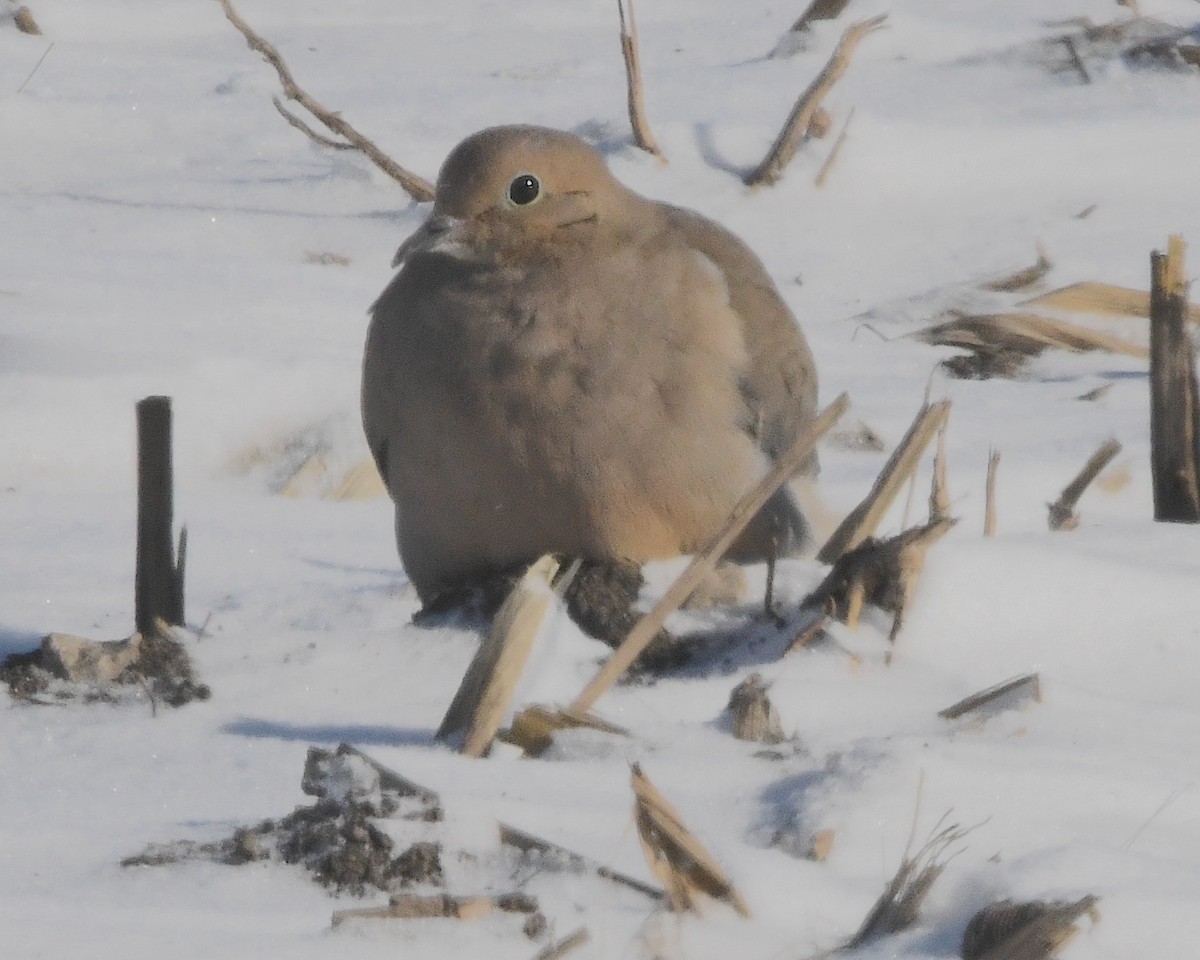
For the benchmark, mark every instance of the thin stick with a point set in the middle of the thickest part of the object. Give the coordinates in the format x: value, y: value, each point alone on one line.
x: 794, y: 129
x: 1076, y: 61
x: 1062, y: 510
x: 633, y: 81
x: 823, y: 173
x: 864, y: 519
x: 939, y: 496
x: 416, y: 187
x: 308, y: 131
x: 989, y: 511
x: 560, y: 948
x: 36, y: 66
x: 705, y: 561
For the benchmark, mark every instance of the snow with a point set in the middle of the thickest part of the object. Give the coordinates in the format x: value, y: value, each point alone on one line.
x: 157, y: 215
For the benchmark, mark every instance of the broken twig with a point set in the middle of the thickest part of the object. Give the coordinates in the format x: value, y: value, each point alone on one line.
x: 796, y: 126
x: 1062, y: 511
x: 416, y: 187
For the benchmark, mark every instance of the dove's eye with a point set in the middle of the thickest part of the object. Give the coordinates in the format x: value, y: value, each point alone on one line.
x: 524, y: 189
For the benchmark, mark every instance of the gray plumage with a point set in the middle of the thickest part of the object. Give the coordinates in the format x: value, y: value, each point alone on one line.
x: 586, y: 372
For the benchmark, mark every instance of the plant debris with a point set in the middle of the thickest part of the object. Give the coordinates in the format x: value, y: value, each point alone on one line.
x: 64, y: 668
x: 1034, y: 930
x: 1008, y: 695
x: 752, y: 715
x: 337, y: 839
x: 675, y: 855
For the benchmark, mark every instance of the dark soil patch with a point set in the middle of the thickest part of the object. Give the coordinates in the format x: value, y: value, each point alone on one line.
x: 161, y: 671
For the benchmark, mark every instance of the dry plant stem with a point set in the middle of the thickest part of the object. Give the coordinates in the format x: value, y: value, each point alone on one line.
x: 525, y: 842
x: 939, y: 496
x: 486, y: 690
x: 794, y: 129
x: 989, y: 512
x: 1024, y: 931
x: 560, y: 948
x: 674, y: 854
x: 1022, y: 278
x: 1107, y: 298
x: 308, y: 131
x: 633, y: 80
x: 864, y: 519
x: 1174, y: 403
x: 1062, y: 511
x: 1076, y: 61
x: 823, y: 173
x: 416, y: 187
x: 1028, y: 686
x: 705, y: 561
x: 899, y: 906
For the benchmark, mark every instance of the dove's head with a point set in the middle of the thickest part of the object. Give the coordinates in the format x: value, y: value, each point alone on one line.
x: 513, y: 194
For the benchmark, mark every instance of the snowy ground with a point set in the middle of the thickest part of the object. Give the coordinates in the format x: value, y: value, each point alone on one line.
x: 157, y: 219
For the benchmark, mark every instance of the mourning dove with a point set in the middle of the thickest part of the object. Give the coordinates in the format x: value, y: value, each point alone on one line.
x: 563, y: 366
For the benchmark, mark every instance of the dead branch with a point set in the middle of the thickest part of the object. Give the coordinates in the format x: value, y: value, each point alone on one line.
x: 527, y: 842
x: 823, y: 173
x: 675, y: 855
x: 1062, y: 511
x: 989, y: 512
x: 865, y: 518
x: 416, y: 187
x: 633, y: 81
x: 796, y: 126
x: 308, y: 131
x: 1024, y: 931
x: 705, y: 562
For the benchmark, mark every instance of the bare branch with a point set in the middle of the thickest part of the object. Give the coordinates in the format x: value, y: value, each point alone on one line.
x: 633, y: 79
x: 794, y: 130
x: 416, y: 187
x: 308, y: 131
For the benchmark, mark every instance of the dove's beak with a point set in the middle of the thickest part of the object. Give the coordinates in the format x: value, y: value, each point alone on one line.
x: 438, y: 234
